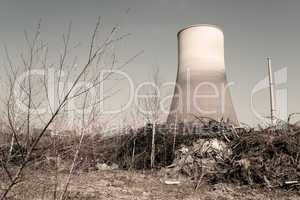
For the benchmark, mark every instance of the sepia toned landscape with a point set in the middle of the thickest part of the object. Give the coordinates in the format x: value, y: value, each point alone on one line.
x: 131, y: 100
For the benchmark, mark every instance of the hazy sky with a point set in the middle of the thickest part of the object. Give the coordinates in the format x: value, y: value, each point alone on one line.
x: 253, y: 29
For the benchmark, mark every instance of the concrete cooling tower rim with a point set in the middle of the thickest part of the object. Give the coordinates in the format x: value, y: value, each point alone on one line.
x: 199, y: 25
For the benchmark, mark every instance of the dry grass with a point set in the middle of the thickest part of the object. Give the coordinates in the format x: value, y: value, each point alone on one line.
x: 273, y: 154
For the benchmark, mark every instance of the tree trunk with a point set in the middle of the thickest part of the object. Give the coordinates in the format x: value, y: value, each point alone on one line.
x: 153, y: 145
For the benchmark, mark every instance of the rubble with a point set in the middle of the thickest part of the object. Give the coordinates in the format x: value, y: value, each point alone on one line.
x: 104, y: 166
x: 200, y: 158
x: 266, y: 157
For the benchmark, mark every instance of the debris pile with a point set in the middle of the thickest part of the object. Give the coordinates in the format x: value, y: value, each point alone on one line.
x: 211, y: 151
x: 268, y: 157
x: 199, y: 159
x: 135, y: 149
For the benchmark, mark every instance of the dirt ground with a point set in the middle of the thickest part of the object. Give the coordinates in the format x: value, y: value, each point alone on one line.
x: 132, y: 185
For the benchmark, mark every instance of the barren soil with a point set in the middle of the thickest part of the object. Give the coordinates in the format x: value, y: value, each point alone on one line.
x: 132, y: 185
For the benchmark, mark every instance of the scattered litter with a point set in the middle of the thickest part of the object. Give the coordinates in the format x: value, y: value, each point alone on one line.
x: 171, y: 182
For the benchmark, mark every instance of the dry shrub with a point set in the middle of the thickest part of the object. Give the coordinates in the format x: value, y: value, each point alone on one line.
x: 272, y: 156
x: 267, y: 157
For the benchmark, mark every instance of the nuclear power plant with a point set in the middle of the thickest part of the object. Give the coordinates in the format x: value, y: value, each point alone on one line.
x: 201, y: 88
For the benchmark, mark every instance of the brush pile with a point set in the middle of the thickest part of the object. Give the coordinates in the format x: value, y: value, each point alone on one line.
x: 268, y: 157
x: 207, y: 150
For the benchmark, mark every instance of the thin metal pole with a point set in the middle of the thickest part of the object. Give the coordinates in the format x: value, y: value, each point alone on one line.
x: 271, y: 86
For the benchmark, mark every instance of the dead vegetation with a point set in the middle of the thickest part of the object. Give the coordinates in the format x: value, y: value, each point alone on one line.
x: 45, y: 101
x: 214, y: 152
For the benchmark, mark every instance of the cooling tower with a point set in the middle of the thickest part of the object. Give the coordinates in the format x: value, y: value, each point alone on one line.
x: 201, y: 85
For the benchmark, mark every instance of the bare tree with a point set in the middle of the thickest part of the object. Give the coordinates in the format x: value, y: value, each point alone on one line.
x: 34, y: 92
x: 149, y: 107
